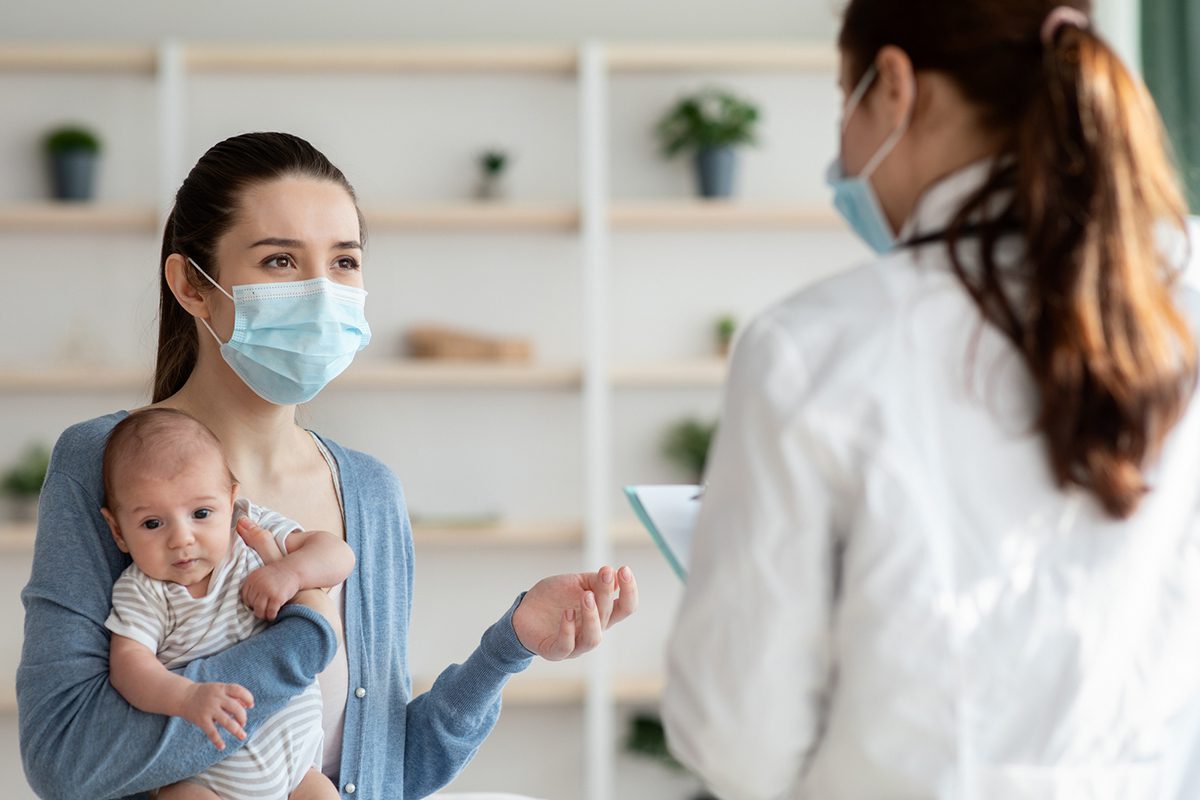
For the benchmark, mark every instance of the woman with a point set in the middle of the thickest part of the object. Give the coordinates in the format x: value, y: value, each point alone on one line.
x: 949, y: 545
x: 261, y: 306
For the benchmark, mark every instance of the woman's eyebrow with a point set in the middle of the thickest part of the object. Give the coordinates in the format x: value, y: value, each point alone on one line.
x: 299, y: 245
x: 274, y: 242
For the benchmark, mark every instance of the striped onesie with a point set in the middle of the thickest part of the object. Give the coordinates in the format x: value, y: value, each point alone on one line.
x: 164, y: 617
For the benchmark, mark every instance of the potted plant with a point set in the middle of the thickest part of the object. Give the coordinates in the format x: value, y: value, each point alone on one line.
x: 23, y: 483
x: 492, y: 167
x: 686, y: 445
x: 710, y: 124
x: 646, y: 738
x: 725, y: 328
x: 73, y: 152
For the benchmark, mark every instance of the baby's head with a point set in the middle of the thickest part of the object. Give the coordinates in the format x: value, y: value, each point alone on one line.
x: 168, y: 494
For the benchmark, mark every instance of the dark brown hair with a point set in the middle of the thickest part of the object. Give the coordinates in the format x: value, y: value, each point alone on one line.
x: 1089, y: 186
x: 155, y: 436
x: 205, y: 208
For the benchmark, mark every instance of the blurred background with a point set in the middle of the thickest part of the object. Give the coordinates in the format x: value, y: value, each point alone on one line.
x: 551, y: 288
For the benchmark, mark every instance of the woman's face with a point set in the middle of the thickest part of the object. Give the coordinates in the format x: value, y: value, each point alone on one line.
x: 290, y: 229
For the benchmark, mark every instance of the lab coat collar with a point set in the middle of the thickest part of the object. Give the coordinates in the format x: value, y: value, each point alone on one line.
x: 938, y: 206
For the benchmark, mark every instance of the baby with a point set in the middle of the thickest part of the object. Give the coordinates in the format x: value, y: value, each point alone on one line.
x: 195, y: 588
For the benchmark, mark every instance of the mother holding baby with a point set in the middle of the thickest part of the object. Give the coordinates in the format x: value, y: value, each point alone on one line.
x: 270, y: 221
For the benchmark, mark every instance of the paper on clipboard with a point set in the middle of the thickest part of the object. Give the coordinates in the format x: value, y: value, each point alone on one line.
x: 669, y: 514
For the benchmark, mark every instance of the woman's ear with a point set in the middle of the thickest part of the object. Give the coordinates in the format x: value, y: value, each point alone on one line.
x: 115, y: 530
x: 175, y: 270
x: 896, y: 96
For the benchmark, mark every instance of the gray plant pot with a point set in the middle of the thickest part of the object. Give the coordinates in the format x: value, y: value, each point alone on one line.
x: 715, y: 171
x: 74, y: 174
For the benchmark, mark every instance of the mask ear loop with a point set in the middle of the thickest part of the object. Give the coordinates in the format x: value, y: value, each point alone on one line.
x: 893, y: 139
x: 203, y: 321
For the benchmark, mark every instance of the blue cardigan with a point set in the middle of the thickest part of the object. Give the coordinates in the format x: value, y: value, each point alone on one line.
x: 80, y: 739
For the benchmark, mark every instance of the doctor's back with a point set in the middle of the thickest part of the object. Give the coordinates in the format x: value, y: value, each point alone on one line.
x: 950, y: 545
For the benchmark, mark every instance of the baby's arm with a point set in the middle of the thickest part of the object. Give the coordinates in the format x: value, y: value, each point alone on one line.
x: 314, y: 560
x: 147, y: 685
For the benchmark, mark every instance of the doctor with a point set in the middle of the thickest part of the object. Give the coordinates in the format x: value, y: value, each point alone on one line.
x: 950, y: 545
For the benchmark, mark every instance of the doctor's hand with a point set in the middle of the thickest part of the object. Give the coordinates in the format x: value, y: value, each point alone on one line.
x: 565, y: 616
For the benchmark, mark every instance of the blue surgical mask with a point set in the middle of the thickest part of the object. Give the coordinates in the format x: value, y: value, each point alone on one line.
x: 290, y: 339
x: 853, y: 196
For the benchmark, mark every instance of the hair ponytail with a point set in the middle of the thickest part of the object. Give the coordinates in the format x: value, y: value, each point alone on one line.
x: 1092, y: 188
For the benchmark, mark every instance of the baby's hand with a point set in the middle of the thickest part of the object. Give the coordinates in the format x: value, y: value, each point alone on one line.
x: 268, y: 588
x: 208, y: 705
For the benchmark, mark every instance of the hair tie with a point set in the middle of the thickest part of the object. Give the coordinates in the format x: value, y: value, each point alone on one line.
x: 1063, y: 15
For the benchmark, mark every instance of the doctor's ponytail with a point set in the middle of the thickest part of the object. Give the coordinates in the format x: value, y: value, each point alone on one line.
x: 1088, y: 181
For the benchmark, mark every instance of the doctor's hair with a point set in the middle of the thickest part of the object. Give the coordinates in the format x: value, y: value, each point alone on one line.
x: 158, y: 440
x: 1087, y: 178
x: 205, y: 208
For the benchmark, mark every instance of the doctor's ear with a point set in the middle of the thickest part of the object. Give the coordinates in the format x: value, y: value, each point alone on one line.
x: 176, y: 271
x: 895, y: 96
x: 115, y: 530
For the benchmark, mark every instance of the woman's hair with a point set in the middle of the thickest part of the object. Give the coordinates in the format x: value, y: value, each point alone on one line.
x: 1088, y: 181
x: 205, y: 208
x: 155, y: 439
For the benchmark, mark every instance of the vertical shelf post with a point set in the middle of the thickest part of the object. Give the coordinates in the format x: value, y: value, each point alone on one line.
x: 170, y: 124
x: 599, y: 712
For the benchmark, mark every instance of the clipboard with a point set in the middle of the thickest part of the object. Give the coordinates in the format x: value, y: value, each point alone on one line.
x: 669, y: 513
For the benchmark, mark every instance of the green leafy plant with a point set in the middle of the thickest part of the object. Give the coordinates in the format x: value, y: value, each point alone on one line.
x: 71, y: 138
x: 26, y: 477
x: 646, y: 738
x: 710, y: 119
x: 686, y: 444
x: 725, y: 328
x: 493, y: 162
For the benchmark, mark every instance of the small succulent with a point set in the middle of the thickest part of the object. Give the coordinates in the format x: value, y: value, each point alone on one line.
x: 686, y: 444
x: 493, y: 162
x: 71, y: 138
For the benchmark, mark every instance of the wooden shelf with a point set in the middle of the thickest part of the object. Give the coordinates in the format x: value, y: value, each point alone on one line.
x: 72, y: 378
x: 526, y: 691
x: 17, y: 537
x: 309, y: 58
x: 364, y: 375
x: 88, y: 216
x: 711, y: 215
x: 699, y: 374
x: 77, y: 58
x: 747, y: 56
x: 473, y: 217
x: 458, y: 375
x: 501, y: 535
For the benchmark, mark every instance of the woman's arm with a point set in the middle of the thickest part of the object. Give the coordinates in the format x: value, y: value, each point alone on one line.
x: 749, y: 656
x: 149, y: 686
x: 79, y: 737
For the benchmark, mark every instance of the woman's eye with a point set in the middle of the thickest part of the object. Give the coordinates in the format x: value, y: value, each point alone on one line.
x: 151, y: 524
x: 347, y: 263
x: 280, y: 262
x: 201, y: 513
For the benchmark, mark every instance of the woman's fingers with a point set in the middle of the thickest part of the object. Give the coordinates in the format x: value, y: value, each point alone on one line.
x: 589, y: 635
x: 605, y: 591
x: 627, y: 601
x: 564, y: 643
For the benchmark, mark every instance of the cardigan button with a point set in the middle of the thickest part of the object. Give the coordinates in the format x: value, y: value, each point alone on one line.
x: 350, y: 787
x: 360, y: 692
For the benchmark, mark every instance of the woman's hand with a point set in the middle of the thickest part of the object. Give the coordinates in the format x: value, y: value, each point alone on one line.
x: 565, y: 616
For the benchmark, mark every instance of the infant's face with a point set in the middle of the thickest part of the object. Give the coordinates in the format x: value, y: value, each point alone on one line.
x: 176, y: 526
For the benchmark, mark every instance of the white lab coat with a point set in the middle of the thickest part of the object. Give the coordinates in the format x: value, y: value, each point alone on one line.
x: 890, y: 598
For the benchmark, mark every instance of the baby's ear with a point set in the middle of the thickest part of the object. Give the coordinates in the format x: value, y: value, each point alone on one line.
x: 115, y: 530
x: 233, y: 490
